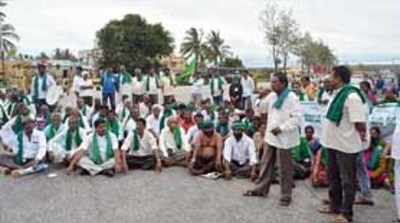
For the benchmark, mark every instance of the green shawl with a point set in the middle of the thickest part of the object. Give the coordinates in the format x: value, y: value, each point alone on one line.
x: 113, y: 126
x: 19, y: 159
x: 281, y: 99
x: 126, y: 78
x: 220, y: 84
x: 136, y: 141
x: 50, y: 132
x: 95, y: 150
x: 302, y: 151
x: 166, y: 114
x: 223, y: 129
x: 17, y: 127
x: 68, y: 140
x: 148, y: 82
x: 178, y: 137
x: 335, y: 111
x: 36, y: 85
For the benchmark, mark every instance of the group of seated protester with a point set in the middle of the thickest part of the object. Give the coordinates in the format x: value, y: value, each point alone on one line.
x: 140, y: 135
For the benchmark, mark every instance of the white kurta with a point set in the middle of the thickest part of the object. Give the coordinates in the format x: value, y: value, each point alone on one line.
x: 102, y: 142
x: 147, y: 144
x: 345, y: 137
x: 167, y: 142
x: 153, y: 124
x: 288, y: 119
x: 57, y: 145
x: 35, y: 148
x: 50, y: 82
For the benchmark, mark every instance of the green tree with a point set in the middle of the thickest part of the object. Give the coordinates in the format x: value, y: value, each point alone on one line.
x: 217, y: 49
x: 42, y: 56
x: 193, y: 46
x: 312, y: 52
x: 232, y: 62
x: 133, y: 42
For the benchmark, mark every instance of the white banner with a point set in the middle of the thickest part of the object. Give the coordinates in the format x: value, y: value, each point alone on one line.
x: 312, y: 115
x: 385, y: 117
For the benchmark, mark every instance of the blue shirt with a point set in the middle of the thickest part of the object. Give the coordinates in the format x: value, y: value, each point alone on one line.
x: 108, y: 83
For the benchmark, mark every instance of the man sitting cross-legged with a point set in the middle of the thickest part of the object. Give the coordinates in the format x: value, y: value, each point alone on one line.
x: 102, y: 154
x: 174, y: 145
x: 28, y: 147
x: 140, y: 149
x: 240, y: 157
x: 63, y: 148
x: 207, y: 151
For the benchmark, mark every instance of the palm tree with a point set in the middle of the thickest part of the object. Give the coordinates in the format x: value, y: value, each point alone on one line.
x: 7, y: 35
x: 192, y: 45
x: 217, y: 49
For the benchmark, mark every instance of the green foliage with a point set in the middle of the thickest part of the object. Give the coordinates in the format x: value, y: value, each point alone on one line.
x: 60, y: 54
x: 213, y: 49
x: 133, y: 42
x: 312, y: 52
x: 232, y: 62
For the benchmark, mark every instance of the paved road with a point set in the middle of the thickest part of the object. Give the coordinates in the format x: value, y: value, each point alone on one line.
x: 172, y: 197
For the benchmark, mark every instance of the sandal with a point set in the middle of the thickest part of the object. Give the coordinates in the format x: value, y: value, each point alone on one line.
x: 342, y: 219
x: 364, y: 202
x: 285, y: 202
x: 252, y: 193
x: 327, y: 210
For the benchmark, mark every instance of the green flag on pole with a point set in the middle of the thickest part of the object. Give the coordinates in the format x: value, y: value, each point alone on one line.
x: 187, y: 73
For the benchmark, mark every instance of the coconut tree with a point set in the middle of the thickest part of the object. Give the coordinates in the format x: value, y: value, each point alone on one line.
x: 216, y: 48
x: 193, y: 46
x: 7, y: 35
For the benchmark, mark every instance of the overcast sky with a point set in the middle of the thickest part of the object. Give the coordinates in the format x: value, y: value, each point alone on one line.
x: 355, y: 29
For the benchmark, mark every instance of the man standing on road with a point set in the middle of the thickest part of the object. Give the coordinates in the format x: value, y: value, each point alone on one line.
x: 152, y: 85
x: 283, y: 134
x: 217, y: 87
x: 109, y: 85
x: 248, y: 89
x: 41, y: 83
x: 343, y: 133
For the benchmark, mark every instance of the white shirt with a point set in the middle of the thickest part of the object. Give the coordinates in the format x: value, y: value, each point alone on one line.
x: 120, y: 111
x: 153, y: 124
x: 345, y: 137
x: 33, y: 149
x: 217, y: 91
x: 50, y: 82
x: 60, y: 129
x: 129, y: 124
x: 60, y: 140
x: 288, y: 119
x: 137, y: 86
x: 102, y: 142
x: 148, y: 144
x: 76, y: 83
x: 192, y: 133
x: 88, y: 112
x: 125, y: 88
x: 84, y: 84
x: 197, y: 86
x: 240, y: 151
x: 167, y: 142
x: 248, y: 86
x: 153, y: 89
x: 144, y: 110
x: 395, y: 151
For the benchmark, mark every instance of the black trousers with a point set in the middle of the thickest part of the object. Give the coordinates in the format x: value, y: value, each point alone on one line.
x: 141, y: 162
x: 342, y: 179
